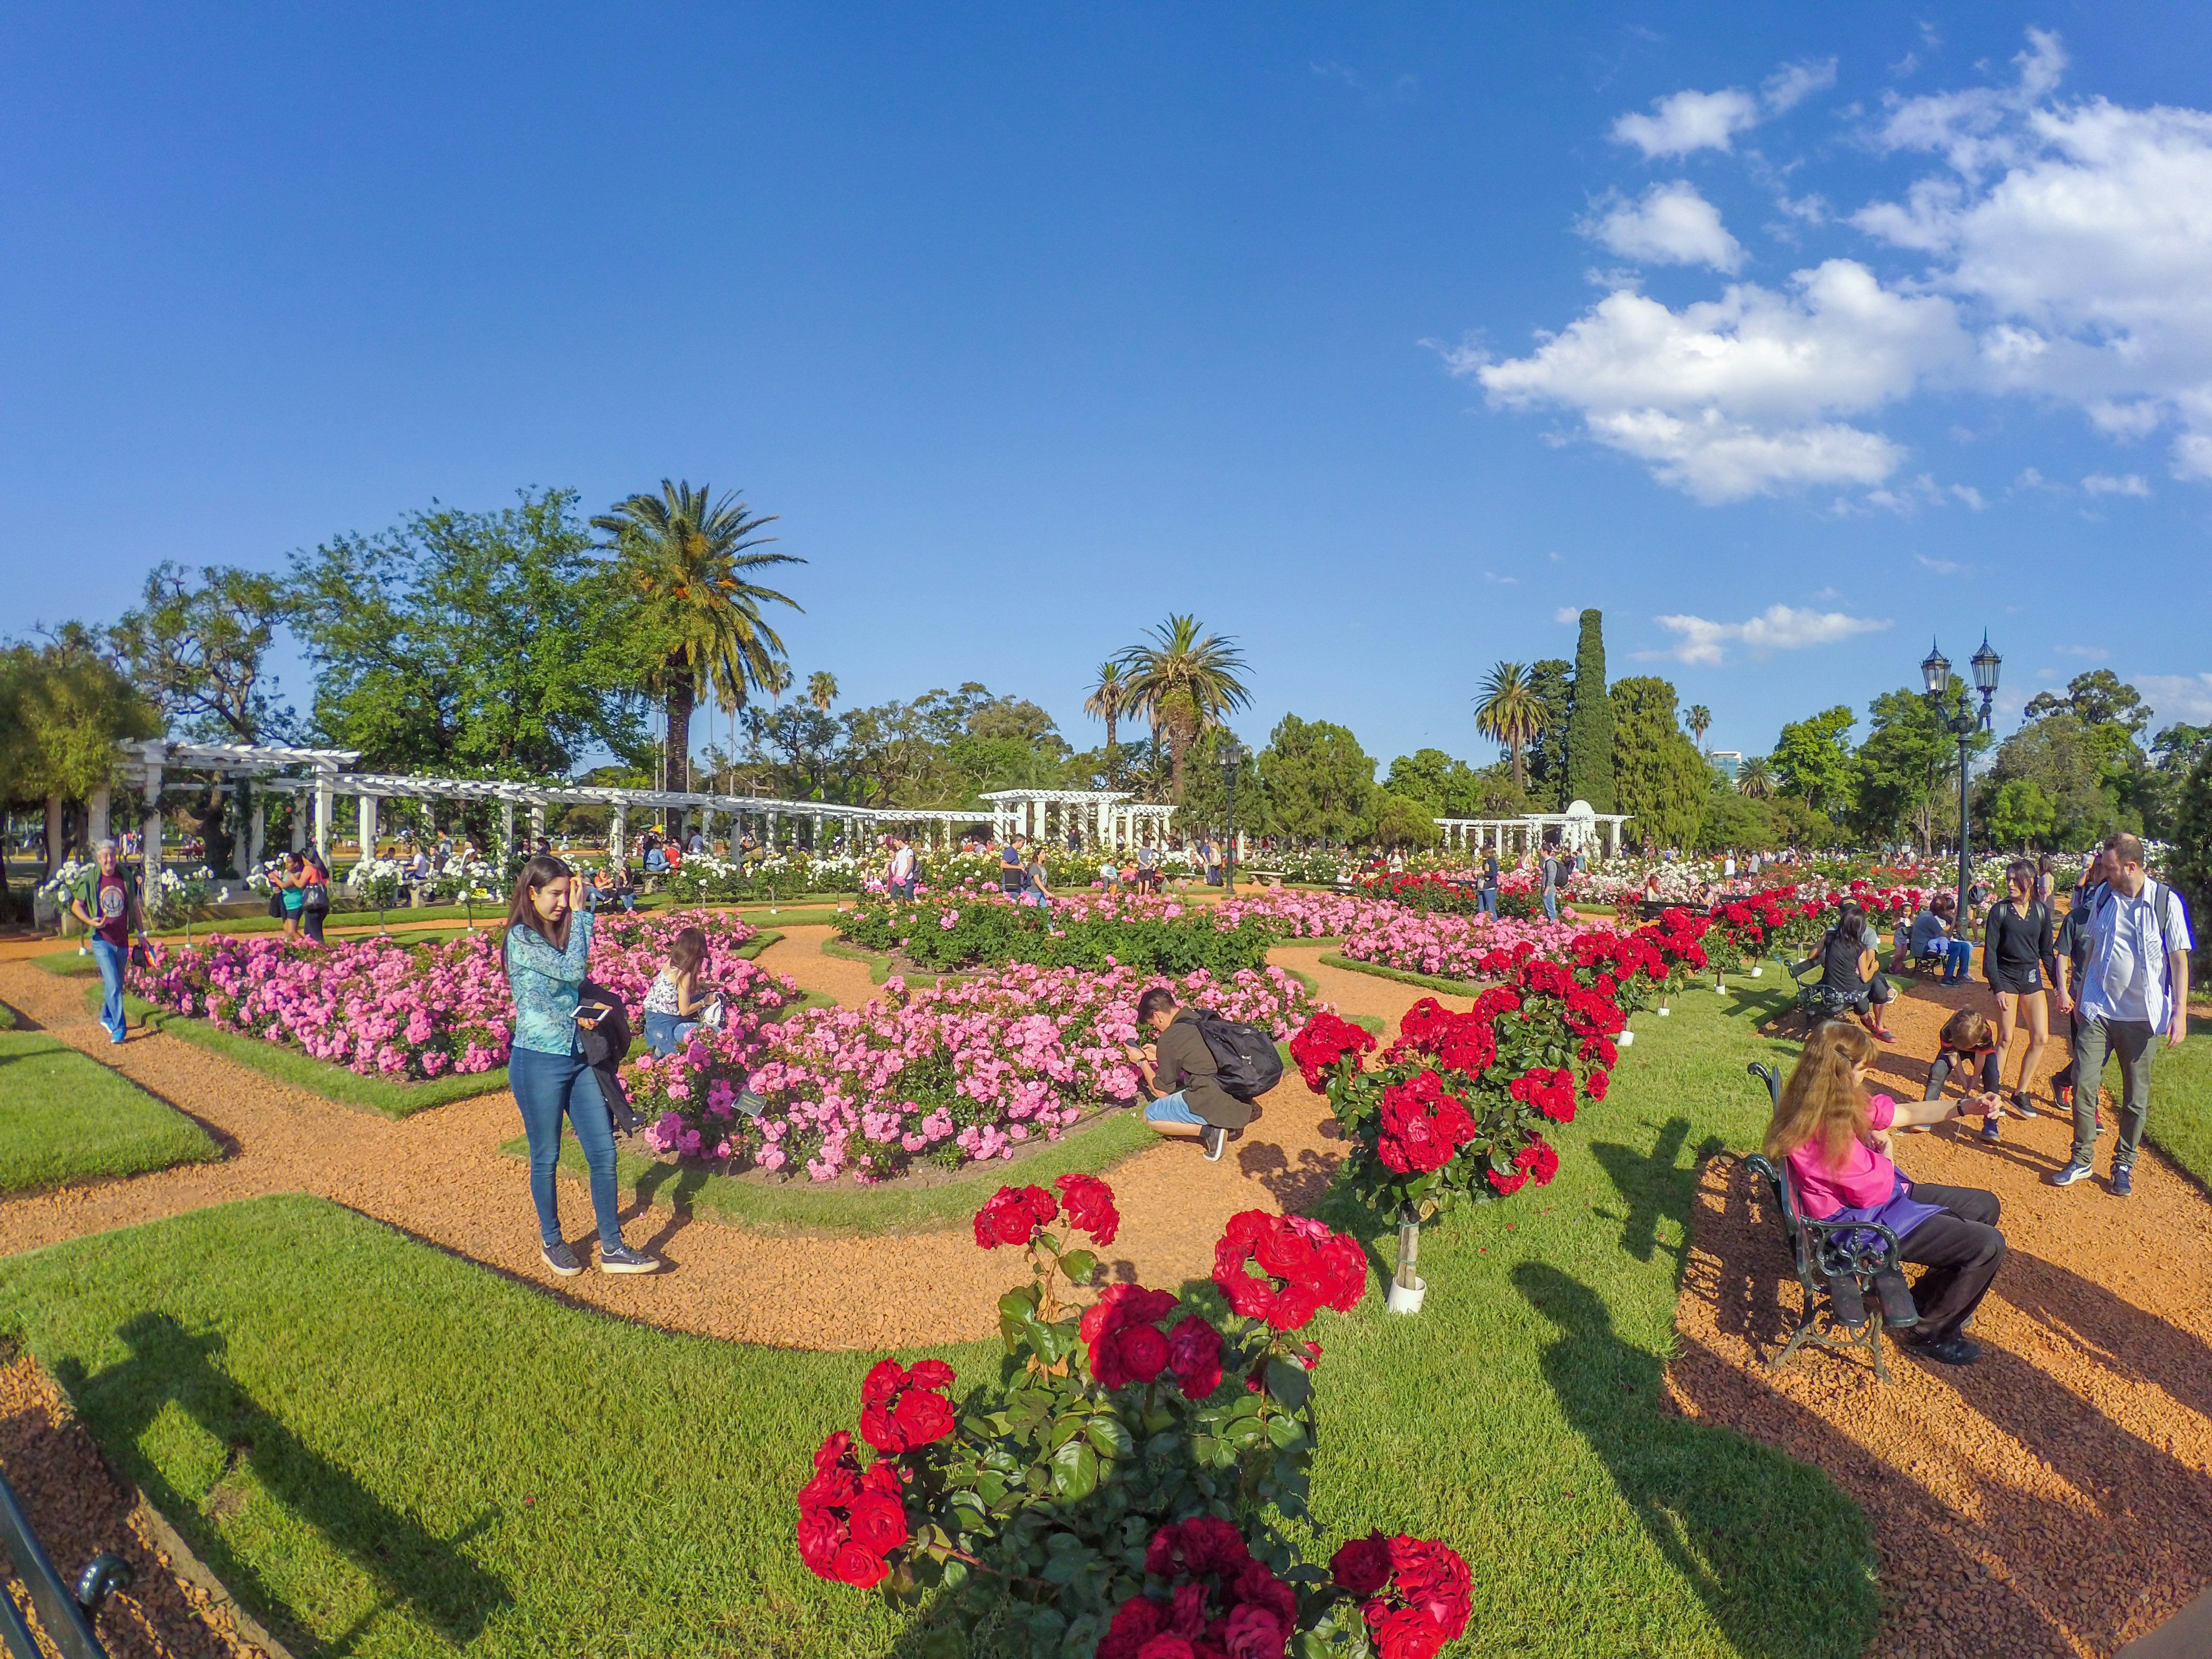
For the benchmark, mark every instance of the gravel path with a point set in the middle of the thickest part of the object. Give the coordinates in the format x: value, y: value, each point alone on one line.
x: 2055, y: 1498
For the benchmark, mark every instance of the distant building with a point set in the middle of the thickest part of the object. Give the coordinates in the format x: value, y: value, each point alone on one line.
x: 1727, y: 759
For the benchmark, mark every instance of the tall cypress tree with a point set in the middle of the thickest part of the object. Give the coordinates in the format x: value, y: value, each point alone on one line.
x: 1589, y: 721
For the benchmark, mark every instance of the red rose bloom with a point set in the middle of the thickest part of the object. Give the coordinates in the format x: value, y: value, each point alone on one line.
x: 1362, y: 1566
x: 860, y: 1568
x: 1167, y: 1646
x: 1318, y: 1268
x: 1194, y: 1356
x: 1254, y: 1632
x: 1014, y: 1215
x: 1538, y: 1161
x: 878, y: 1524
x: 1088, y: 1203
x: 901, y: 1409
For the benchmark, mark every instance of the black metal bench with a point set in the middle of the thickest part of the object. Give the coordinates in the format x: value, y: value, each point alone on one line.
x: 65, y: 1615
x: 1825, y: 1251
x: 1817, y: 1000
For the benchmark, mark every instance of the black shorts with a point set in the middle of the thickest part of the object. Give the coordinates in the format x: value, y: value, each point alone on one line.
x: 2024, y: 982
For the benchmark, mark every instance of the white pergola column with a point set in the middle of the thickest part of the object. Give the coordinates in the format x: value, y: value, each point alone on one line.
x: 537, y: 823
x: 771, y: 829
x: 365, y: 809
x: 817, y: 846
x: 156, y: 752
x: 258, y: 835
x: 325, y: 802
x: 96, y: 807
x: 507, y: 829
x: 618, y: 833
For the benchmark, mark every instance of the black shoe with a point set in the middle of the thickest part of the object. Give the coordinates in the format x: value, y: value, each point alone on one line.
x: 621, y: 1258
x: 1899, y: 1310
x: 1212, y: 1139
x: 563, y: 1260
x: 1953, y: 1350
x: 2022, y: 1105
x: 1845, y: 1302
x: 2122, y: 1182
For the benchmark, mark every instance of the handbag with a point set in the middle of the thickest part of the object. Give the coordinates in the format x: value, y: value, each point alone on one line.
x: 317, y: 901
x: 276, y: 903
x: 138, y: 956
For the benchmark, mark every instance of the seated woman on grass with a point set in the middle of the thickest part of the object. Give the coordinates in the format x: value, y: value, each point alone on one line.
x: 1834, y: 1140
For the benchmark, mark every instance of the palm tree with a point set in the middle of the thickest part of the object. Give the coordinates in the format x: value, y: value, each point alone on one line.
x: 1699, y: 719
x: 1185, y: 685
x: 687, y: 559
x: 1511, y: 715
x: 775, y: 680
x: 822, y: 690
x: 1108, y: 698
x: 1754, y: 777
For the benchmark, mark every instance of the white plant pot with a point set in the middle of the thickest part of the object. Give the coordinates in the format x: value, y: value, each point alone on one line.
x: 1625, y: 1040
x: 1666, y: 1014
x: 1403, y: 1301
x: 1756, y: 972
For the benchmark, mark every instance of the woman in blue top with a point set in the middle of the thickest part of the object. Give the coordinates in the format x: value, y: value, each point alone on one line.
x: 548, y: 949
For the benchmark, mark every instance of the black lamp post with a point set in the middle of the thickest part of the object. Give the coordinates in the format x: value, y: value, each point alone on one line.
x: 1230, y: 754
x: 1935, y: 673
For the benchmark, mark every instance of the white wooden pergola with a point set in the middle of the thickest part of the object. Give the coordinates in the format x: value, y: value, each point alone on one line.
x: 1577, y: 828
x: 322, y: 776
x: 1100, y: 818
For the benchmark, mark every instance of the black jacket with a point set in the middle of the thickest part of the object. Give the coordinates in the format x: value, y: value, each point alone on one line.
x: 604, y: 1046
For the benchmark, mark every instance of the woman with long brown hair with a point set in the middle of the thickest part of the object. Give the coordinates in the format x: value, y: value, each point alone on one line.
x: 1833, y: 1139
x: 548, y: 949
x: 2018, y: 959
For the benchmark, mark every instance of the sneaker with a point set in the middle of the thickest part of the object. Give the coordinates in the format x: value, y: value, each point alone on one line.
x: 2122, y: 1182
x: 2022, y: 1105
x: 2078, y: 1171
x: 1956, y: 1349
x: 1213, y: 1139
x: 621, y: 1258
x: 1989, y: 1128
x: 563, y: 1260
x: 2065, y: 1095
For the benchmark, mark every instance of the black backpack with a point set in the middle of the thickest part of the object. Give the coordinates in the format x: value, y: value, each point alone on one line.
x: 1245, y: 1060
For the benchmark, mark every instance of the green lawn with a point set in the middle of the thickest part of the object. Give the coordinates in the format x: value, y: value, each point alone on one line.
x: 65, y: 1117
x: 348, y: 1425
x: 2180, y: 1122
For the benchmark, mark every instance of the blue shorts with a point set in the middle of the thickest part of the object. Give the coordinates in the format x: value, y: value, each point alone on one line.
x: 1170, y: 1109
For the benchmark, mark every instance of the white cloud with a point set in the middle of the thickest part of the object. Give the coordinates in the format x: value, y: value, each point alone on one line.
x: 1778, y: 628
x: 1567, y: 613
x: 2177, y: 696
x: 1671, y: 225
x: 2104, y: 483
x: 2087, y: 653
x: 1686, y: 121
x: 1969, y: 495
x: 1491, y: 576
x: 1734, y: 396
x: 1942, y: 567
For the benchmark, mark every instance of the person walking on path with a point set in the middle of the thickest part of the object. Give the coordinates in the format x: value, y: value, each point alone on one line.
x: 2134, y: 990
x: 1551, y: 873
x: 547, y: 950
x: 1488, y: 895
x: 292, y: 889
x: 314, y: 894
x: 108, y: 906
x: 2017, y: 958
x: 903, y: 866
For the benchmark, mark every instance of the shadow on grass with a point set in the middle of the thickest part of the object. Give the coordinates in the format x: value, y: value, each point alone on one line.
x: 1652, y: 1185
x: 1764, y: 1540
x: 410, y: 1566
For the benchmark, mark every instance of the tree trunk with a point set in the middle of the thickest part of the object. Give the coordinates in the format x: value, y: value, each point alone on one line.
x: 1520, y: 771
x: 678, y: 740
x: 1113, y: 724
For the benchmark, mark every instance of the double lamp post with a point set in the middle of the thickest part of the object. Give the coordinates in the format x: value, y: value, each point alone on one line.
x: 1936, y: 673
x: 1230, y: 754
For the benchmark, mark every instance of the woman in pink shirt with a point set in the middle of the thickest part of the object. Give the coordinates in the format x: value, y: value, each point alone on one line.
x: 1835, y: 1141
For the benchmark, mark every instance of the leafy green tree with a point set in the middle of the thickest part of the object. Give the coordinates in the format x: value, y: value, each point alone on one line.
x: 1107, y: 696
x: 1187, y: 683
x: 1909, y: 766
x: 1589, y: 721
x: 2193, y: 852
x: 2084, y: 771
x: 471, y: 642
x: 1732, y: 819
x: 1511, y: 713
x: 1812, y: 760
x: 1659, y: 777
x: 822, y: 690
x: 1551, y: 680
x: 1319, y: 783
x: 199, y: 651
x: 689, y: 561
x: 1205, y: 804
x: 2099, y: 697
x: 1799, y: 824
x: 1448, y: 788
x: 2021, y: 815
x: 64, y: 711
x: 1399, y: 821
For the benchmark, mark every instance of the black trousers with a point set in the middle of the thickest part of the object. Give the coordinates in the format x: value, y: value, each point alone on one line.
x: 1947, y: 1059
x: 1962, y: 1248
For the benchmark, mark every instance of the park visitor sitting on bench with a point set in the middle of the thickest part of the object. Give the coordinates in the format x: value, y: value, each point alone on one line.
x: 1850, y: 971
x: 1835, y: 1139
x: 1934, y: 944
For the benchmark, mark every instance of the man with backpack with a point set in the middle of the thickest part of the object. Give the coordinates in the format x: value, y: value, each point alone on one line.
x: 2134, y: 988
x: 1206, y: 1071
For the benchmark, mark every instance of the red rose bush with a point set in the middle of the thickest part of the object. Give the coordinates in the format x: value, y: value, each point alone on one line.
x: 1122, y: 1488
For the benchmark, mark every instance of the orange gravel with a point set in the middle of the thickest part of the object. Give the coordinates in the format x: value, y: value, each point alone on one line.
x: 440, y: 1176
x: 2055, y: 1498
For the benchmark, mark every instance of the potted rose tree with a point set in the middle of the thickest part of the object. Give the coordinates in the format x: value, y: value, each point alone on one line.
x: 1119, y: 1491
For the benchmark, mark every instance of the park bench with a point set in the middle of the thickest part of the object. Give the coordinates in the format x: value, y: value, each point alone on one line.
x: 64, y: 1614
x: 1826, y: 1254
x: 1817, y: 1000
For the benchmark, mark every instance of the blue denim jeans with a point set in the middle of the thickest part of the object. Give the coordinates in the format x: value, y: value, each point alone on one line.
x: 1958, y: 960
x: 665, y: 1033
x: 1489, y: 897
x: 546, y: 1086
x: 111, y: 958
x: 1551, y: 904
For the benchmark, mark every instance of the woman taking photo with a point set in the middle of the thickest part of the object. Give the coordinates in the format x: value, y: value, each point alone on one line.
x: 291, y: 884
x: 2017, y: 957
x: 548, y: 949
x: 1835, y: 1141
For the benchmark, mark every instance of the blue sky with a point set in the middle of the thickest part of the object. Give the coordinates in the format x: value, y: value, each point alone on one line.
x: 1034, y: 324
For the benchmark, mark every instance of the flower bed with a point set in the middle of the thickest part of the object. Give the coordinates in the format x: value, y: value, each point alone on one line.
x: 952, y: 1075
x: 1099, y: 932
x: 1457, y: 947
x: 384, y: 1008
x: 1134, y: 1486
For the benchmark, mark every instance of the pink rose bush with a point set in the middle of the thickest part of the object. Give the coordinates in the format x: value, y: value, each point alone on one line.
x: 1476, y: 947
x: 383, y: 1007
x: 957, y: 1073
